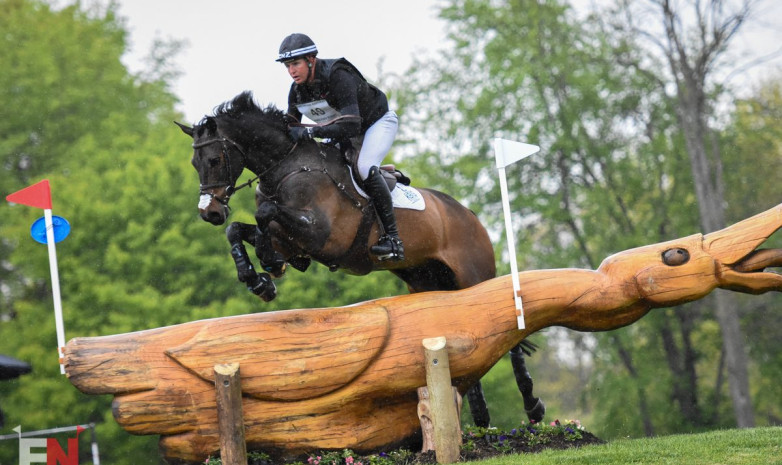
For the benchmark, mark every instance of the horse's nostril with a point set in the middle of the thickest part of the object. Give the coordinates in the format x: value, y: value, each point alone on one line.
x: 213, y: 217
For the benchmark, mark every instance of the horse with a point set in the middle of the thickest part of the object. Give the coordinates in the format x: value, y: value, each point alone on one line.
x: 310, y: 206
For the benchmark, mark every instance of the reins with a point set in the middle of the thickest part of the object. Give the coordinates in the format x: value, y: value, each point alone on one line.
x: 230, y: 190
x: 306, y: 169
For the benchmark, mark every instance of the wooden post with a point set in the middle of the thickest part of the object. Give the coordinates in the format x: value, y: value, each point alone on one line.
x: 442, y: 406
x: 233, y: 448
x: 425, y: 416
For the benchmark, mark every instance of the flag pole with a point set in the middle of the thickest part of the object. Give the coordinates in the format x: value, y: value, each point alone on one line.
x: 39, y: 195
x: 58, y: 320
x: 508, y: 152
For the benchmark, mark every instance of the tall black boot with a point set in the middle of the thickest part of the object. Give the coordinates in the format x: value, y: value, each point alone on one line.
x: 389, y: 246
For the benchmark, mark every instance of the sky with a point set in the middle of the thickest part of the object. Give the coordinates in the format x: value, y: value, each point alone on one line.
x: 231, y: 45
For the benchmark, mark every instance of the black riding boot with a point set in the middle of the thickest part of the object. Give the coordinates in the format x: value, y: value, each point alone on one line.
x: 389, y: 246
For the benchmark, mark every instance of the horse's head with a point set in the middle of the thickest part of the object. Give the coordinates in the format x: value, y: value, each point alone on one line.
x: 219, y: 162
x: 240, y: 135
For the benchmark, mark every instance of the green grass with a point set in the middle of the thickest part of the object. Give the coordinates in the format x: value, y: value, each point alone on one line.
x: 726, y: 447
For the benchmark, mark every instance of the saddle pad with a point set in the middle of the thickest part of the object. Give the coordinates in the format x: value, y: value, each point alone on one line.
x: 402, y: 196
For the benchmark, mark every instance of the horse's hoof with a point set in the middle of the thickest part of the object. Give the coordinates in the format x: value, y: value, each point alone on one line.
x: 269, y: 294
x: 264, y: 288
x: 274, y: 265
x: 277, y: 270
x: 300, y: 262
x: 537, y: 412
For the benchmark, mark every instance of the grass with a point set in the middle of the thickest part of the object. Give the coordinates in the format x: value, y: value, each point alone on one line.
x: 723, y: 447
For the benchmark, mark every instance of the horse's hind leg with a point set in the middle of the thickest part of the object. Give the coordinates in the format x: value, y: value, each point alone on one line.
x: 478, y: 408
x: 259, y: 284
x: 533, y: 406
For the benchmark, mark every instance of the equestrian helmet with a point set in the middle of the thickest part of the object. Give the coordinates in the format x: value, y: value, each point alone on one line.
x: 295, y: 46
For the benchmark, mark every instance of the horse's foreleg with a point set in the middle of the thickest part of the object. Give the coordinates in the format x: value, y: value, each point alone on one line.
x: 259, y: 284
x: 533, y: 406
x: 478, y: 408
x: 271, y: 261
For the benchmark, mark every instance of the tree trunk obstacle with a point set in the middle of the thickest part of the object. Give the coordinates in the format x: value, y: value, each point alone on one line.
x: 347, y: 377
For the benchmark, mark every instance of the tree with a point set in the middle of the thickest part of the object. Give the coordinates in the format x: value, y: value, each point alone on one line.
x: 693, y: 43
x: 752, y: 146
x: 138, y: 256
x: 610, y: 174
x: 614, y: 173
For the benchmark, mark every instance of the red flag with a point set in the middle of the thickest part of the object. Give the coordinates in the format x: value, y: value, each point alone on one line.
x: 38, y: 195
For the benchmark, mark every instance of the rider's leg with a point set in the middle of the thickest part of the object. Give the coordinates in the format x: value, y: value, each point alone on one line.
x: 377, y: 143
x: 389, y: 246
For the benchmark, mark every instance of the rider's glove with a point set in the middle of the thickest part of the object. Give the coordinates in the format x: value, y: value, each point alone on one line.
x: 299, y: 133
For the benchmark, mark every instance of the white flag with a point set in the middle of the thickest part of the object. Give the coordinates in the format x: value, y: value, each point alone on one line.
x: 508, y: 152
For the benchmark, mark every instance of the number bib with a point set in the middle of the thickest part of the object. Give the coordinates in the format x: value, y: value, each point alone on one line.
x: 319, y: 111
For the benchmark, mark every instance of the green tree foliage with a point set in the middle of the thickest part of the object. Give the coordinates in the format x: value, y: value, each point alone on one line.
x: 138, y: 256
x: 753, y: 147
x: 613, y: 174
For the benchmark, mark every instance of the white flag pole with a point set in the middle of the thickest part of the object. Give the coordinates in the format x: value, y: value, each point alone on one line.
x: 58, y: 320
x: 507, y: 152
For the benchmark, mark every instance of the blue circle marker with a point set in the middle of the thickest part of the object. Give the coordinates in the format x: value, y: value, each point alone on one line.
x: 61, y: 229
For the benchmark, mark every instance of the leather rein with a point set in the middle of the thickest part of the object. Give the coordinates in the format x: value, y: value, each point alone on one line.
x: 230, y: 189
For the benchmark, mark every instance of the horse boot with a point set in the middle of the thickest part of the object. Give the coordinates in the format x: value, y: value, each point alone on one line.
x: 534, y: 407
x: 389, y: 246
x: 478, y: 408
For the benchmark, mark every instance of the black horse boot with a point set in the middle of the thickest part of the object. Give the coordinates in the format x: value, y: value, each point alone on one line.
x: 389, y: 246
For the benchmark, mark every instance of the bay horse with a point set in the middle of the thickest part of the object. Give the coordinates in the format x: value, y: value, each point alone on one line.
x: 308, y: 207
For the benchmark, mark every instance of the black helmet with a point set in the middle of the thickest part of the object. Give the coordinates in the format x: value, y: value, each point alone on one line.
x: 296, y: 45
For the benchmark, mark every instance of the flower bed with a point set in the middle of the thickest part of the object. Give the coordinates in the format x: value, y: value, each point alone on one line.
x: 477, y: 444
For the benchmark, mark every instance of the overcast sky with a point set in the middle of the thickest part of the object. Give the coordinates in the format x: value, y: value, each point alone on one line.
x: 232, y: 44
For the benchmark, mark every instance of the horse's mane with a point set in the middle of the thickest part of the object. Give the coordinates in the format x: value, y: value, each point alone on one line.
x: 244, y: 107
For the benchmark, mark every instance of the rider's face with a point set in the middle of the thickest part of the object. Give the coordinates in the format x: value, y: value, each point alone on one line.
x: 298, y: 70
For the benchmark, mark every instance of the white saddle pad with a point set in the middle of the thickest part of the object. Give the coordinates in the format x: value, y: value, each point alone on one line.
x: 402, y: 196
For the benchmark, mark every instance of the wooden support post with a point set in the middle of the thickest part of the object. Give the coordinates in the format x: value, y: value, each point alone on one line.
x: 442, y: 406
x: 233, y: 448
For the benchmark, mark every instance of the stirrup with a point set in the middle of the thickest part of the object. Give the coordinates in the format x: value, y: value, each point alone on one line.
x: 388, y: 248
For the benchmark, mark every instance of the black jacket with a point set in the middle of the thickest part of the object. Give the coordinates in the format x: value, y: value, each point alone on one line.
x: 340, y: 86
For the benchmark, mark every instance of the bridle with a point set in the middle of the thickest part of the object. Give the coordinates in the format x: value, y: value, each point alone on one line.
x: 227, y: 183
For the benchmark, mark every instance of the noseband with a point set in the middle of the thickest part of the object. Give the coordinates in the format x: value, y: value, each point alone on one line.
x: 227, y: 183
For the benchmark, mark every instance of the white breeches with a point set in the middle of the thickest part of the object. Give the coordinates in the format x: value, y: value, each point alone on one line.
x: 377, y: 143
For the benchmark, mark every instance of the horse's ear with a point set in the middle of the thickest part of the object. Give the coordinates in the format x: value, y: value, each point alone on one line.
x: 186, y: 129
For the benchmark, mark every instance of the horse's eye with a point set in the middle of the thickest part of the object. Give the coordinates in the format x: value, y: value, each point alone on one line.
x: 214, y: 162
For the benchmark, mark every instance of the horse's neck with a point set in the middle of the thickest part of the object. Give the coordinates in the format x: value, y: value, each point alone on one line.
x: 313, y: 156
x: 306, y: 156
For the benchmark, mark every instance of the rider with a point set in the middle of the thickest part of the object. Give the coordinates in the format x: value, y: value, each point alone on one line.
x: 334, y: 94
